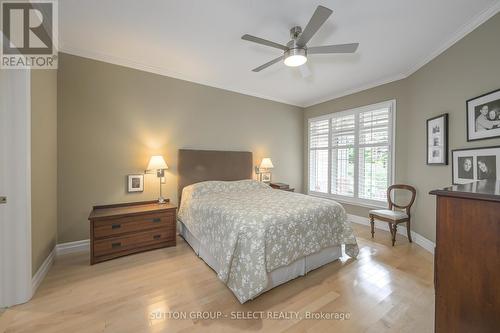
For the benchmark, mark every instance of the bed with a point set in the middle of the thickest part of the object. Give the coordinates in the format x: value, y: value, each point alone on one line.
x: 254, y: 237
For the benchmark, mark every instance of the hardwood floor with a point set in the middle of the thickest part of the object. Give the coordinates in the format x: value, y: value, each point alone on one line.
x: 385, y: 290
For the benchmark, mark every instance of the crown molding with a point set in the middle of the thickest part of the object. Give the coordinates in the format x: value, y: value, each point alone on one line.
x: 356, y: 90
x: 458, y: 35
x: 120, y: 61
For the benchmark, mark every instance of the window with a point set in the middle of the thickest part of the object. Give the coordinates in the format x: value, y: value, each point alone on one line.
x: 350, y: 154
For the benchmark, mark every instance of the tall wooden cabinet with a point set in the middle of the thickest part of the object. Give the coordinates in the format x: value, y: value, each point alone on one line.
x: 467, y: 258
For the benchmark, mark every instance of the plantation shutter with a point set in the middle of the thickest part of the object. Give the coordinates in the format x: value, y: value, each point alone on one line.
x: 343, y: 150
x: 319, y: 134
x: 350, y: 154
x: 374, y: 154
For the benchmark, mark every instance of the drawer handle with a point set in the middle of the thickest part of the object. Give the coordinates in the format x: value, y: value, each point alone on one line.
x: 156, y: 236
x: 116, y: 226
x: 115, y: 245
x: 156, y: 220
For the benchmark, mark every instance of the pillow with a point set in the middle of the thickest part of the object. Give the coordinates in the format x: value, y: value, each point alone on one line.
x: 215, y: 186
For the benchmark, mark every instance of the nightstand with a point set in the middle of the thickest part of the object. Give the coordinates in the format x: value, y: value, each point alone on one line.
x: 122, y: 229
x: 282, y: 186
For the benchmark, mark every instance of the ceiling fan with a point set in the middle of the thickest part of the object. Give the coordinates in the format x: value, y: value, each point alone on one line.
x: 295, y: 52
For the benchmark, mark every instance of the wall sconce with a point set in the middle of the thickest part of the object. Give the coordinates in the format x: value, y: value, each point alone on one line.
x: 158, y: 163
x: 264, y: 170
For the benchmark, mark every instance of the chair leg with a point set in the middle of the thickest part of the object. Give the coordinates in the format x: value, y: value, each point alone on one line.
x: 394, y: 231
x: 390, y: 229
x: 408, y: 231
x: 372, y: 223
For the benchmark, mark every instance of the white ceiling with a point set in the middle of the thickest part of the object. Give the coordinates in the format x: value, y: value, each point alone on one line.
x: 200, y: 41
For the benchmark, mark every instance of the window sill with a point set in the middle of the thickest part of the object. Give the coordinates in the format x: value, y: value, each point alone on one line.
x: 382, y: 205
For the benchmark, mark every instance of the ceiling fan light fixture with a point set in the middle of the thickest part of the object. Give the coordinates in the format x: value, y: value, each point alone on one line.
x: 295, y: 57
x: 296, y: 50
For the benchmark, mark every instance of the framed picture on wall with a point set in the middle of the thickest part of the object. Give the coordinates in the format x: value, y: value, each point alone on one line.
x: 437, y: 140
x: 483, y: 116
x: 135, y: 183
x: 472, y: 164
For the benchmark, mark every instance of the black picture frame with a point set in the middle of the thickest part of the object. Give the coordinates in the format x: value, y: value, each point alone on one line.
x: 444, y: 146
x: 473, y: 153
x: 468, y: 116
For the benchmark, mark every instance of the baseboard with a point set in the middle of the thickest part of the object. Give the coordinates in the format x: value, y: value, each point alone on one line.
x: 73, y: 247
x: 417, y: 238
x: 84, y: 245
x: 40, y: 274
x: 59, y: 249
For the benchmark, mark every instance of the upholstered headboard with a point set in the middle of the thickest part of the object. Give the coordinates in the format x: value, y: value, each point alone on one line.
x: 196, y: 166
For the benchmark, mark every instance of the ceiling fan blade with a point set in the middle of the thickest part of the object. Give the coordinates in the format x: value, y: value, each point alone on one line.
x: 340, y: 48
x: 267, y: 64
x: 321, y: 14
x: 262, y: 41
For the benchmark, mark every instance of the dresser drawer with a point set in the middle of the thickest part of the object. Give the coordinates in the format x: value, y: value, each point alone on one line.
x: 115, y: 227
x: 118, y: 230
x: 123, y: 243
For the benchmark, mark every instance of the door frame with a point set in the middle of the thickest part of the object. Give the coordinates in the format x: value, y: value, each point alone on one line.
x: 15, y: 174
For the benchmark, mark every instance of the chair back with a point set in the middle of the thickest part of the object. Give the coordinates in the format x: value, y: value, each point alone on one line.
x: 401, y: 187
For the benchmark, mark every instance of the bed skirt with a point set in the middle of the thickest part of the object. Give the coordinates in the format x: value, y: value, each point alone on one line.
x: 278, y: 276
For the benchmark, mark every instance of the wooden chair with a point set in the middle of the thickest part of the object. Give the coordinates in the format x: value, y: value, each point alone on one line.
x: 394, y: 216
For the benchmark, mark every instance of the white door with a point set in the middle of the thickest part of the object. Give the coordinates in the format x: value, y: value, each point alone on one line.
x: 15, y: 187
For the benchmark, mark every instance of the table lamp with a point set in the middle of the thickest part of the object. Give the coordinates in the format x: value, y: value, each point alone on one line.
x: 158, y: 163
x: 264, y: 170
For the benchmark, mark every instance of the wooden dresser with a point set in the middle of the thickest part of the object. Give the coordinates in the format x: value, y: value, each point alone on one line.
x: 467, y: 258
x: 122, y: 229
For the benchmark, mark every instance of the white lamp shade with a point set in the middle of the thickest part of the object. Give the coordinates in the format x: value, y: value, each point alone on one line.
x: 157, y: 163
x: 295, y: 60
x: 266, y: 163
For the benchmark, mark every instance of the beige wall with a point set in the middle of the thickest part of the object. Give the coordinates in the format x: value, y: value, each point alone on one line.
x: 468, y: 69
x: 112, y: 118
x: 43, y: 165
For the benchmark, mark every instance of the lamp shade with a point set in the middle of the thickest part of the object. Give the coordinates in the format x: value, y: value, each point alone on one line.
x: 266, y: 163
x: 157, y: 163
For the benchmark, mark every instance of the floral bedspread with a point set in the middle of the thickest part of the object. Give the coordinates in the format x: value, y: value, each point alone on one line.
x: 252, y: 229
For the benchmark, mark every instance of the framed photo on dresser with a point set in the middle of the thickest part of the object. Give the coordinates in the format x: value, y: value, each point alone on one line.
x: 472, y: 164
x: 483, y: 116
x: 265, y: 177
x: 437, y: 140
x: 135, y: 183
